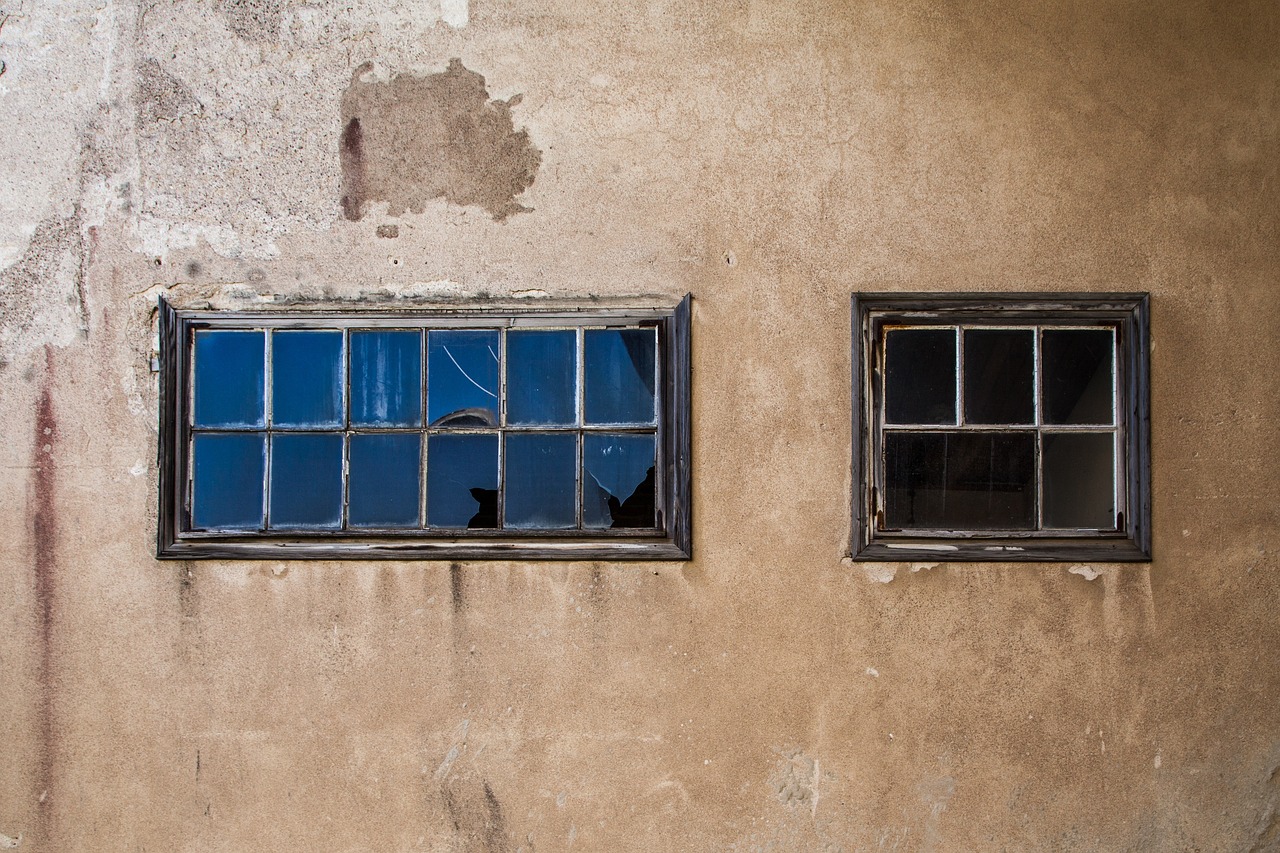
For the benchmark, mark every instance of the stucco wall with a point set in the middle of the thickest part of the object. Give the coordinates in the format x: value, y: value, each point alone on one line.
x: 770, y: 158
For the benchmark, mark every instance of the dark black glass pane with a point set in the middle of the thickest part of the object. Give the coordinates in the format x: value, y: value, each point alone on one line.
x: 618, y: 480
x: 960, y: 480
x: 1079, y: 480
x: 999, y: 376
x: 383, y: 480
x: 920, y: 376
x: 1077, y: 367
x: 227, y: 481
x: 306, y: 480
x: 462, y: 378
x: 462, y: 481
x: 619, y: 375
x: 540, y: 480
x: 229, y: 371
x: 541, y: 377
x: 306, y: 379
x: 386, y: 378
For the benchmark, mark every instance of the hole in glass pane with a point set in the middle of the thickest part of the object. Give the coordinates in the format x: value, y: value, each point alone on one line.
x: 383, y: 480
x: 306, y: 379
x: 541, y: 377
x: 462, y: 378
x: 227, y: 473
x: 462, y: 481
x: 619, y: 368
x: 618, y: 481
x: 1079, y: 480
x: 999, y: 379
x: 229, y: 375
x: 386, y: 378
x: 306, y: 480
x: 540, y: 480
x: 1077, y: 367
x: 920, y: 376
x: 960, y: 480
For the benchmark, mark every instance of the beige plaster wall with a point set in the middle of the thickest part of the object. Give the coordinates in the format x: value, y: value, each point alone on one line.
x: 770, y: 158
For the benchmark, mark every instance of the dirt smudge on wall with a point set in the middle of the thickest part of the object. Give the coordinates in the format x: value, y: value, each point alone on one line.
x: 44, y: 537
x: 412, y: 139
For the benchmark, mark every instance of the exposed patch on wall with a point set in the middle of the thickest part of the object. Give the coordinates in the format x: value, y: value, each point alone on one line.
x: 253, y: 20
x: 795, y: 780
x: 42, y: 295
x: 411, y: 139
x: 163, y: 97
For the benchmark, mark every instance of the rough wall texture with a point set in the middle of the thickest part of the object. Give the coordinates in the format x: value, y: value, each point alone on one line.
x: 768, y: 695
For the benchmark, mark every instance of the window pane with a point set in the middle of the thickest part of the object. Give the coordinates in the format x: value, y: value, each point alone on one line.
x: 227, y: 487
x: 1079, y: 480
x: 306, y: 379
x: 920, y: 376
x: 540, y: 480
x: 462, y: 481
x: 541, y: 372
x: 306, y: 480
x: 462, y: 378
x: 999, y: 380
x: 1077, y: 376
x: 383, y: 480
x: 618, y: 480
x: 229, y: 373
x: 960, y: 480
x: 620, y: 375
x: 386, y: 378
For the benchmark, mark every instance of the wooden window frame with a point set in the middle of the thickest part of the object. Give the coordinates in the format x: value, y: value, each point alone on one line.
x: 1127, y: 313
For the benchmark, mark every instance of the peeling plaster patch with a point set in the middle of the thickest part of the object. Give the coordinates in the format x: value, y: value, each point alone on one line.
x: 412, y: 139
x: 42, y: 295
x: 163, y: 97
x: 873, y: 672
x: 880, y: 572
x: 923, y: 567
x: 139, y: 468
x: 7, y: 843
x: 253, y: 20
x: 795, y: 780
x: 1089, y: 573
x: 454, y: 13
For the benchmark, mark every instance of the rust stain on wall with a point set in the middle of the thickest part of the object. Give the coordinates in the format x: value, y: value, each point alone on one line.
x: 412, y: 139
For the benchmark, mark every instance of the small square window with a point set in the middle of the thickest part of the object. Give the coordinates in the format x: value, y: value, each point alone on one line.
x: 1001, y: 427
x: 486, y: 434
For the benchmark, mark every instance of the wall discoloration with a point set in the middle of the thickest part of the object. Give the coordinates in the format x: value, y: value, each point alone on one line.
x: 161, y: 96
x: 408, y: 140
x: 253, y: 20
x: 42, y: 295
x: 45, y: 537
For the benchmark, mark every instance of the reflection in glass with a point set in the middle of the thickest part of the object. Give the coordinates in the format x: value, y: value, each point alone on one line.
x: 306, y: 480
x: 228, y: 376
x: 920, y: 376
x: 619, y: 368
x: 618, y: 480
x: 462, y: 378
x: 386, y: 378
x: 462, y: 481
x: 1077, y: 366
x: 999, y: 376
x: 540, y: 480
x: 541, y: 372
x: 1079, y: 480
x: 959, y: 480
x: 227, y: 481
x: 306, y: 379
x: 383, y: 480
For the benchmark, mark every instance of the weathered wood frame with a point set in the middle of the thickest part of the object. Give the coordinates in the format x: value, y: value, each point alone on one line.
x: 670, y: 540
x: 1127, y: 313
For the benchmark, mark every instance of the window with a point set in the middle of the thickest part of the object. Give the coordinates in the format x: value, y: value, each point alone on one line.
x: 418, y: 435
x: 1001, y: 427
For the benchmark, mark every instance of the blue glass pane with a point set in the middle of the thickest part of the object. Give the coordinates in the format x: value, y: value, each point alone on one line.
x: 541, y: 372
x: 386, y: 378
x: 306, y: 379
x: 462, y: 481
x: 229, y: 372
x: 227, y: 481
x: 462, y: 378
x: 619, y: 376
x: 618, y: 480
x: 540, y: 481
x: 306, y: 480
x: 382, y: 489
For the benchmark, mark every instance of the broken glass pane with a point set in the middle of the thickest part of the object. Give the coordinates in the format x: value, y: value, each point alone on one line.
x: 1079, y: 480
x: 462, y: 378
x: 540, y: 480
x: 383, y: 480
x: 541, y: 371
x: 1077, y: 367
x: 960, y: 480
x: 229, y: 373
x: 306, y: 480
x: 618, y: 480
x: 462, y: 481
x: 619, y: 366
x: 999, y: 377
x: 920, y: 376
x: 227, y: 481
x: 386, y: 378
x: 306, y: 379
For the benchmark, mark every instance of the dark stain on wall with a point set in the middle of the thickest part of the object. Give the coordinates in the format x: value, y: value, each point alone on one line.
x: 163, y: 97
x: 253, y: 20
x: 44, y: 537
x: 412, y: 139
x: 476, y: 815
x: 455, y: 586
